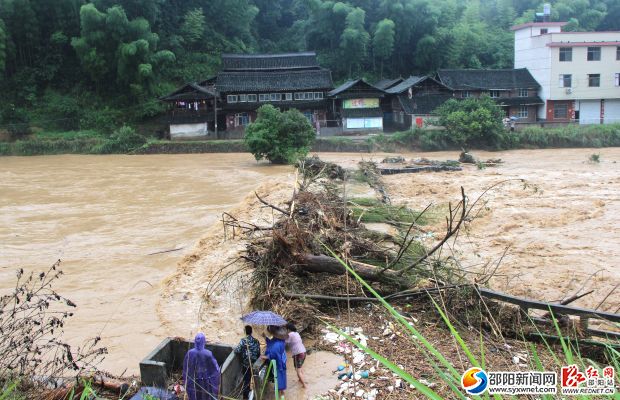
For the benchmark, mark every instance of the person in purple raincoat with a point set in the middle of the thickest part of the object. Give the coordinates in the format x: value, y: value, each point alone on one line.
x: 201, y: 373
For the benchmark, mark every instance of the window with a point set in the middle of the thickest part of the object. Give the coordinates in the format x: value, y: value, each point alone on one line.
x: 242, y: 119
x: 494, y: 93
x: 243, y: 98
x: 523, y: 112
x: 308, y: 96
x: 617, y: 80
x: 544, y: 31
x: 523, y: 92
x: 275, y: 96
x: 288, y: 96
x: 594, y: 54
x: 263, y: 97
x: 618, y: 53
x: 251, y: 97
x: 560, y: 110
x: 318, y: 95
x: 231, y: 98
x: 466, y: 94
x: 299, y: 96
x: 308, y: 114
x: 566, y: 54
x: 594, y: 80
x: 566, y: 80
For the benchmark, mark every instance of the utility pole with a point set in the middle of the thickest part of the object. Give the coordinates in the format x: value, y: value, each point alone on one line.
x: 215, y: 111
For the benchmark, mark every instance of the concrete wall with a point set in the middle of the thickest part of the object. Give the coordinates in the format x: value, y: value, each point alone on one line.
x: 531, y: 52
x: 189, y: 131
x: 579, y: 68
x: 539, y: 53
x: 167, y: 358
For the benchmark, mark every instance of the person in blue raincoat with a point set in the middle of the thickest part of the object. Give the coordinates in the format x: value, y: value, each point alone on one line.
x: 201, y: 372
x: 275, y: 350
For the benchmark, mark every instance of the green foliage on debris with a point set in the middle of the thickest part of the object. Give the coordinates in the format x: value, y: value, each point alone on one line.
x: 373, y: 210
x: 280, y: 137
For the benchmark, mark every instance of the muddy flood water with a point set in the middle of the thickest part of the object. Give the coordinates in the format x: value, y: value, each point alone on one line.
x: 104, y: 215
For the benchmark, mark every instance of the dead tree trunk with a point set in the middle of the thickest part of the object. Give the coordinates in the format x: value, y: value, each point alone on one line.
x: 323, y: 263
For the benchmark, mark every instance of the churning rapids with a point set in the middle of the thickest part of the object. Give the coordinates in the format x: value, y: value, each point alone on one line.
x: 103, y: 215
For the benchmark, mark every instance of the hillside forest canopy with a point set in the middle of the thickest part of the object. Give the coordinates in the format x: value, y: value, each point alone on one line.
x: 69, y: 64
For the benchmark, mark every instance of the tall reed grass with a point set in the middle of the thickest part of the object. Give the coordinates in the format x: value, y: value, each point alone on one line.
x: 445, y: 371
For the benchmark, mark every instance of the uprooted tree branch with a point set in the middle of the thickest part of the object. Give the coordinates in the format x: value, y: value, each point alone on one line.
x: 295, y: 273
x: 290, y: 261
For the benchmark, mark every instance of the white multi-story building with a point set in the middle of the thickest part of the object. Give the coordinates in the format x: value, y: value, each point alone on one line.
x: 579, y: 72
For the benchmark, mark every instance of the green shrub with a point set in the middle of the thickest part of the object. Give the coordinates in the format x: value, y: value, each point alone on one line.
x: 471, y: 122
x: 58, y: 111
x: 280, y: 137
x: 433, y: 140
x: 17, y: 121
x: 101, y: 119
x: 124, y: 140
x: 570, y: 136
x: 33, y: 147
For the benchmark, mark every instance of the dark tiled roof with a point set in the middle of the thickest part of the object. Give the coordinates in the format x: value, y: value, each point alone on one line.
x: 383, y: 84
x: 190, y: 91
x: 487, y: 79
x: 269, y: 62
x: 361, y: 112
x: 422, y: 105
x: 406, y: 84
x: 299, y: 104
x: 255, y: 81
x: 358, y: 88
x: 519, y: 101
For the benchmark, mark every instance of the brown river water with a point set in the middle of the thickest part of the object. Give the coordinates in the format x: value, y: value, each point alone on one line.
x: 103, y: 215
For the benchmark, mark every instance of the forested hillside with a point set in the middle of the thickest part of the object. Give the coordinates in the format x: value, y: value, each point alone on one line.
x: 68, y: 64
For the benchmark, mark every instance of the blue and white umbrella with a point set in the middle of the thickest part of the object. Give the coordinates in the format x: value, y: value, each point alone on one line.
x: 263, y: 318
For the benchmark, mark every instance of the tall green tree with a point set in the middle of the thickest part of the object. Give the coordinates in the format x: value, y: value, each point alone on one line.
x: 280, y: 137
x: 383, y: 41
x: 193, y: 27
x: 2, y: 47
x: 354, y: 39
x: 112, y: 48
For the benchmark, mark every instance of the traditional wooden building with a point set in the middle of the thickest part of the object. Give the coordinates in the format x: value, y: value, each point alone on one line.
x: 412, y: 101
x: 192, y: 111
x: 356, y: 105
x: 384, y: 84
x: 291, y: 80
x: 246, y: 82
x: 515, y: 90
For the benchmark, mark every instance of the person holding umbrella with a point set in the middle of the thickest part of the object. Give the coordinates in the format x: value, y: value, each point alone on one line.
x: 275, y: 349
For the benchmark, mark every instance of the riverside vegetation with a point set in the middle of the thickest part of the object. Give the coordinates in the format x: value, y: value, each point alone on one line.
x: 96, y: 65
x: 91, y: 142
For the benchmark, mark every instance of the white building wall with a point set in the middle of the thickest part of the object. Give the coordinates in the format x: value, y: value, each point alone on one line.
x: 532, y: 51
x: 612, y: 112
x: 188, y: 131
